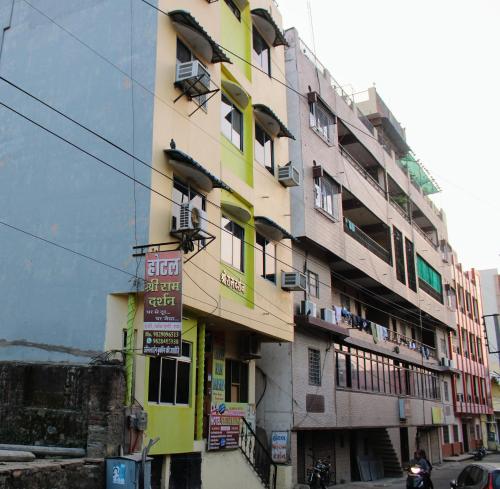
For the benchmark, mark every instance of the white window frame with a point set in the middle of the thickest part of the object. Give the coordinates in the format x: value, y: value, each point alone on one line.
x: 325, y: 188
x: 317, y: 111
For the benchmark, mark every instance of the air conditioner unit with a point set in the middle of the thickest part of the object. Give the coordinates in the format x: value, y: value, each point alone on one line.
x: 328, y: 315
x: 191, y: 218
x: 288, y: 176
x: 193, y: 78
x: 250, y: 347
x: 308, y: 308
x: 293, y: 281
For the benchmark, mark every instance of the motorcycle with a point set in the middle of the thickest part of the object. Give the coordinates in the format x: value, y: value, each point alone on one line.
x: 479, y: 453
x: 319, y: 477
x: 417, y: 478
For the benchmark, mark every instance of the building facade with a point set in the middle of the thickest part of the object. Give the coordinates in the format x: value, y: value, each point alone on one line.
x: 471, y: 388
x: 166, y: 129
x: 490, y: 293
x: 368, y: 378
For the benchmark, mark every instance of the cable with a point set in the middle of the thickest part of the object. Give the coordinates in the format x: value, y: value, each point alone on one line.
x: 93, y: 132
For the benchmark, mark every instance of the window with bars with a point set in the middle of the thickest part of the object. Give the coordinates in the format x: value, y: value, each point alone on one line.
x: 236, y: 381
x: 314, y: 367
x: 446, y: 434
x: 313, y: 283
x: 326, y: 193
x: 322, y: 121
x: 170, y: 378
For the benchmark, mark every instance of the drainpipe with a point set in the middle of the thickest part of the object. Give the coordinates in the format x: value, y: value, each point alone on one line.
x: 200, y: 381
x: 129, y: 356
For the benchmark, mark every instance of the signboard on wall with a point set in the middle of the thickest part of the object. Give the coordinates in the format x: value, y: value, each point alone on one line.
x: 437, y: 415
x: 224, y: 432
x: 163, y: 303
x: 279, y: 446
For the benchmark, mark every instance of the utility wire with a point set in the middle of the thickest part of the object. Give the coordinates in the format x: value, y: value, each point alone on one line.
x: 116, y: 146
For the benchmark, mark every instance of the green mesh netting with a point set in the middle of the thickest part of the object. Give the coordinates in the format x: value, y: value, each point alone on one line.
x: 418, y: 174
x: 429, y: 275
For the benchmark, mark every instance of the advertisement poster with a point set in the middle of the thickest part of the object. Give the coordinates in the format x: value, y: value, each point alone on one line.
x: 279, y: 446
x: 224, y: 430
x: 163, y: 303
x: 218, y: 372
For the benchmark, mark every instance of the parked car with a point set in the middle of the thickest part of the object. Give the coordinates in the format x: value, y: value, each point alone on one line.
x: 478, y: 476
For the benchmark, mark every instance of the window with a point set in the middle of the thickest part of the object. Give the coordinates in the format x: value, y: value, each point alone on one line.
x: 431, y: 279
x: 236, y: 381
x: 265, y: 258
x: 325, y: 196
x: 232, y: 122
x: 184, y: 55
x: 410, y: 265
x: 234, y: 9
x: 455, y: 433
x: 400, y: 255
x: 312, y: 284
x: 314, y: 367
x: 232, y: 240
x: 169, y: 378
x: 261, y: 53
x: 322, y: 121
x: 446, y: 434
x: 446, y: 392
x: 182, y: 193
x: 264, y: 148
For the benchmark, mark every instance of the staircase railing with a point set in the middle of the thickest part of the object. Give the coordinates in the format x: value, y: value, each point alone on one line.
x: 257, y: 455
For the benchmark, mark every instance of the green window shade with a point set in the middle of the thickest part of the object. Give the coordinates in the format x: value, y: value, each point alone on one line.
x: 429, y: 275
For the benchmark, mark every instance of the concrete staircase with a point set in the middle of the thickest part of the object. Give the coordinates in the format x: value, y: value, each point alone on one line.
x: 381, y: 442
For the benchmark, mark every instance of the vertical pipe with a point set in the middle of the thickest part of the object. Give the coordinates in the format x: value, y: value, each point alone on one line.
x: 201, y: 381
x: 129, y: 355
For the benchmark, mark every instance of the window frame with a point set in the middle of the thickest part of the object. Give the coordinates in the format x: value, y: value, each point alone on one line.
x: 235, y: 227
x: 257, y: 57
x: 185, y: 360
x: 317, y: 110
x: 315, y: 276
x: 268, y: 166
x: 242, y: 383
x: 322, y: 185
x: 226, y: 100
x: 314, y: 366
x: 267, y: 243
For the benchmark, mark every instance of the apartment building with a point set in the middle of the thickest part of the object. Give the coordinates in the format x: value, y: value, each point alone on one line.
x: 198, y: 130
x: 471, y: 389
x: 368, y: 377
x: 490, y: 294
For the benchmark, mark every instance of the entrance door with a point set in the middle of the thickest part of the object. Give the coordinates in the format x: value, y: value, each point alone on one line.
x: 405, y: 446
x: 355, y: 475
x: 465, y: 434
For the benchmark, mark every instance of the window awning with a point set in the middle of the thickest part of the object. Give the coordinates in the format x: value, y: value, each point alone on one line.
x: 236, y: 210
x: 271, y: 230
x: 237, y: 93
x: 270, y: 122
x: 193, y: 171
x: 197, y: 37
x: 268, y: 28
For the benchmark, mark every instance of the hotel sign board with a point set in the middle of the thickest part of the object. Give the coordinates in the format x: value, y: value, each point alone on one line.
x: 163, y: 303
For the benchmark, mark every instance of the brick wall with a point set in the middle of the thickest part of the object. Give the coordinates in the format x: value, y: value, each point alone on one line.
x: 62, y: 405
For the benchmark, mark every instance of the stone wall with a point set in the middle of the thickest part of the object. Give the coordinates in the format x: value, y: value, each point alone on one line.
x: 62, y: 474
x: 63, y: 405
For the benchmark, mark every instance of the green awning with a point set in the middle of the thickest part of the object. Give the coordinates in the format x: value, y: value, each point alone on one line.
x: 419, y: 174
x: 197, y: 37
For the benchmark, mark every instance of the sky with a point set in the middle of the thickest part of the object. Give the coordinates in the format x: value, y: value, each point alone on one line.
x: 436, y: 64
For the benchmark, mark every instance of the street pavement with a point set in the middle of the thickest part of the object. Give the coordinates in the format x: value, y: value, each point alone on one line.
x: 441, y: 476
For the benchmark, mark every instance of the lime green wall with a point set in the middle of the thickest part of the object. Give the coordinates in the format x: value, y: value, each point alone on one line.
x: 237, y: 36
x: 174, y: 424
x: 247, y: 277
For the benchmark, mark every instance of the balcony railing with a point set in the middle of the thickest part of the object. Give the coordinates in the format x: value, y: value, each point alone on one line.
x: 402, y: 211
x: 429, y: 290
x: 426, y: 350
x: 356, y: 164
x: 424, y: 235
x: 369, y: 243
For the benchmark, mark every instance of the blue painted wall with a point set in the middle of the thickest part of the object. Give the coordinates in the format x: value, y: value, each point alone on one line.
x: 48, y: 188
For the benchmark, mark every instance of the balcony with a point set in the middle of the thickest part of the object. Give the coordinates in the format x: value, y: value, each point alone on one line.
x: 369, y: 243
x: 361, y: 169
x: 430, y: 291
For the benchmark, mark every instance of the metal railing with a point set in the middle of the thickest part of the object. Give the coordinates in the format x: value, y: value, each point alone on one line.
x: 400, y: 209
x: 430, y: 291
x: 425, y: 236
x: 356, y: 164
x: 361, y: 237
x: 399, y: 339
x: 257, y: 455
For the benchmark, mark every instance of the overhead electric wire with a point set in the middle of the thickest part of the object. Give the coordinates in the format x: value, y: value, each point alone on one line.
x: 167, y: 176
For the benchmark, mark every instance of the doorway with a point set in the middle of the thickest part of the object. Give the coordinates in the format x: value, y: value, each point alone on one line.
x: 465, y: 435
x: 405, y: 446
